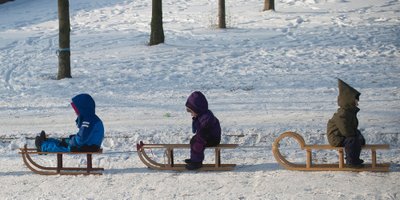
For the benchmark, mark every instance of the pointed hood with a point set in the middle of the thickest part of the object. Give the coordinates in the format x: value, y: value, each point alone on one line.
x: 197, y: 102
x: 85, y: 105
x: 347, y: 94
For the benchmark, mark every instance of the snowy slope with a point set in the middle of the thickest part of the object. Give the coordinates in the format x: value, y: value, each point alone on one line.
x: 269, y: 72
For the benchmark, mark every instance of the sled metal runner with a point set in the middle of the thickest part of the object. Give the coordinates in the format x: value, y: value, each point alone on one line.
x: 170, y: 162
x: 59, y: 169
x: 340, y: 166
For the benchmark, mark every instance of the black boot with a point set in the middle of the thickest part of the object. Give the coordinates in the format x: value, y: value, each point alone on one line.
x: 355, y: 163
x: 188, y: 161
x: 357, y: 166
x: 39, y: 140
x: 360, y: 161
x: 194, y: 165
x: 42, y: 136
x: 38, y: 143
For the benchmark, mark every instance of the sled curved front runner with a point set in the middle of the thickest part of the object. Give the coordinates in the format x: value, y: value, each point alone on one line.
x: 340, y: 166
x: 169, y: 152
x: 59, y: 169
x: 280, y: 158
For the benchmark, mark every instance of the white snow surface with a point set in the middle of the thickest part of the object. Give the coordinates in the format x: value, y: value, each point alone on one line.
x: 267, y: 73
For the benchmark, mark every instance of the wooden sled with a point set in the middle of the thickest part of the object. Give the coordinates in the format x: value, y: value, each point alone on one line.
x: 171, y: 165
x: 59, y: 169
x: 309, y: 166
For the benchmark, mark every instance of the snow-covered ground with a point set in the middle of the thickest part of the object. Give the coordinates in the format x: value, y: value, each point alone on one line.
x: 269, y: 72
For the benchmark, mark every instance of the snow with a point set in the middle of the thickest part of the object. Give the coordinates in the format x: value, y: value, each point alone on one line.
x: 269, y: 72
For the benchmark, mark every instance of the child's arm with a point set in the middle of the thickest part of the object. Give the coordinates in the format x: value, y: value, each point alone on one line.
x: 78, y: 139
x: 345, y: 123
x: 88, y: 136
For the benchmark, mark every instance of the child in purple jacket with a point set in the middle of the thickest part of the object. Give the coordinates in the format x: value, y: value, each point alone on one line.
x: 206, y: 128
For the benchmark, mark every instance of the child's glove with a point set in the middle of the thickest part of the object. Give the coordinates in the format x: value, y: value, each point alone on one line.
x: 64, y: 142
x: 360, y: 137
x: 194, y: 128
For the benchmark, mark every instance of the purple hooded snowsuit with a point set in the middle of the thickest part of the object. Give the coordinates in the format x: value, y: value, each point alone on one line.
x: 205, y: 126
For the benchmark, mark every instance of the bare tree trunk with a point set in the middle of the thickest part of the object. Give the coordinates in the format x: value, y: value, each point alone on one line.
x: 64, y: 53
x: 221, y: 14
x: 269, y: 5
x: 157, y: 31
x: 4, y: 1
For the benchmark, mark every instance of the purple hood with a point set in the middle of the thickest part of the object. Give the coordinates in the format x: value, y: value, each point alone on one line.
x: 197, y: 102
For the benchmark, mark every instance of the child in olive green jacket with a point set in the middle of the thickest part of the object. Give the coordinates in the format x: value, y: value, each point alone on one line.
x: 342, y: 130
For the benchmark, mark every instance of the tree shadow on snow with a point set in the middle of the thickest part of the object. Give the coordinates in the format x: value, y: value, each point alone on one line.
x: 395, y: 167
x: 258, y: 167
x: 239, y: 168
x: 130, y: 171
x: 15, y: 173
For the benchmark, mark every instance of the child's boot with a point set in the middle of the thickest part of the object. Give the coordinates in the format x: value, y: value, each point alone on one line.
x: 39, y: 140
x: 194, y: 165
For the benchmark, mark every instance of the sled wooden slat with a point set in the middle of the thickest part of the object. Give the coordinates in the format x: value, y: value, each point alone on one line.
x: 71, y: 153
x: 171, y: 165
x: 340, y: 166
x: 60, y: 169
x: 334, y: 167
x: 185, y: 146
x: 327, y: 146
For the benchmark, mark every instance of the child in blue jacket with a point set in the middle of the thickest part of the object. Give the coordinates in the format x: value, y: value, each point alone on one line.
x: 206, y: 128
x: 90, y: 134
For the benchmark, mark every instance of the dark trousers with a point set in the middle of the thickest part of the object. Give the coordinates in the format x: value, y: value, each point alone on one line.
x: 352, y: 146
x: 198, y: 145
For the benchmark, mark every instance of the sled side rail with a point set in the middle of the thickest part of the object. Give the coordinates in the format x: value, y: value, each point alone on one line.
x: 372, y: 147
x: 367, y: 146
x: 187, y: 146
x: 72, y: 153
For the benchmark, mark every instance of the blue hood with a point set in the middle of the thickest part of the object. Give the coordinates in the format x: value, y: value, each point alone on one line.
x: 91, y: 129
x: 85, y: 105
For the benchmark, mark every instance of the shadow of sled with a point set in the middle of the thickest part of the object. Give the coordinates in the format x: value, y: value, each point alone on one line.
x: 258, y: 167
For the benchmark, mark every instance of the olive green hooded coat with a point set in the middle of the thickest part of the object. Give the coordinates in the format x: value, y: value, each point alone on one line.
x: 344, y: 122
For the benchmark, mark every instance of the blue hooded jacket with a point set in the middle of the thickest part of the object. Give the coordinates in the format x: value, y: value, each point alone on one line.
x: 91, y: 129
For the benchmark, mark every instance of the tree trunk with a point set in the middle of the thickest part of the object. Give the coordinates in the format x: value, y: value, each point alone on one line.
x: 157, y: 31
x: 64, y: 53
x: 221, y: 14
x: 4, y: 1
x: 269, y: 5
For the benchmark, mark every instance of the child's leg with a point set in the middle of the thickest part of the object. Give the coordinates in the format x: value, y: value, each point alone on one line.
x: 353, y: 150
x: 211, y: 142
x: 197, y: 147
x: 53, y: 145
